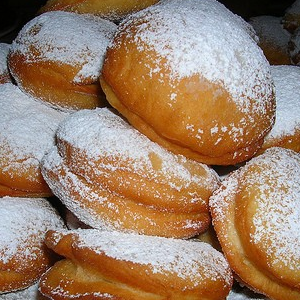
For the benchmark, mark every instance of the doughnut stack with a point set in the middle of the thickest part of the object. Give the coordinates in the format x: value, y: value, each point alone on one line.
x: 148, y: 151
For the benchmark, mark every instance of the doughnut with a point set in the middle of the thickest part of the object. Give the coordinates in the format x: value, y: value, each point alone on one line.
x: 273, y: 38
x: 291, y: 17
x: 57, y: 58
x: 286, y: 130
x: 27, y: 130
x: 166, y: 70
x: 255, y: 213
x: 111, y: 176
x: 4, y: 72
x: 113, y: 10
x: 114, y: 265
x: 23, y: 254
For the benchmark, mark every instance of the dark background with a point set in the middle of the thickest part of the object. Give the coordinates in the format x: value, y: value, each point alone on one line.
x: 15, y: 13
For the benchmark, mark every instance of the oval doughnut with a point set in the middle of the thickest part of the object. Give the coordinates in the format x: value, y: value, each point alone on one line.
x: 113, y: 265
x: 23, y: 255
x: 109, y: 174
x: 57, y: 58
x: 255, y: 213
x: 168, y: 73
x: 27, y: 130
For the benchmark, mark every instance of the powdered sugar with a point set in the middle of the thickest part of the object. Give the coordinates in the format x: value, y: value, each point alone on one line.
x: 287, y: 90
x: 23, y: 224
x: 27, y: 129
x: 278, y: 206
x: 203, y: 37
x: 65, y: 37
x: 276, y: 220
x: 185, y: 259
x: 101, y: 133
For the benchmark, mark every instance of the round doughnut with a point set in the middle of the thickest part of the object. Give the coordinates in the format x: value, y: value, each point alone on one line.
x: 23, y: 255
x: 4, y: 72
x: 273, y: 38
x: 291, y: 17
x: 57, y: 58
x: 113, y: 10
x: 110, y: 175
x: 286, y: 130
x: 255, y: 213
x: 27, y: 130
x: 168, y: 73
x: 114, y: 265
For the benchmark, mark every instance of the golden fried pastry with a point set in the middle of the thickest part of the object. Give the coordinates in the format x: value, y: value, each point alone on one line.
x: 113, y: 10
x: 57, y: 58
x: 286, y: 130
x: 273, y: 38
x: 255, y: 213
x: 27, y: 129
x: 167, y: 71
x: 4, y: 72
x: 110, y: 175
x: 23, y: 255
x: 113, y: 265
x: 291, y: 17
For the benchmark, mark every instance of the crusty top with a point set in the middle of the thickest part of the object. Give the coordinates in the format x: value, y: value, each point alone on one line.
x: 190, y: 37
x: 101, y: 133
x: 68, y: 38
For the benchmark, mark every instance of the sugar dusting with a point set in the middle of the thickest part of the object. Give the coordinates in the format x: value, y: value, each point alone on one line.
x: 27, y: 129
x: 277, y: 204
x: 23, y: 224
x: 65, y: 37
x: 287, y: 91
x: 101, y: 133
x: 185, y: 259
x: 85, y: 200
x: 203, y: 37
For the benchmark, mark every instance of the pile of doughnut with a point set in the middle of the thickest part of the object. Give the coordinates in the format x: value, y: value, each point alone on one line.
x: 150, y: 151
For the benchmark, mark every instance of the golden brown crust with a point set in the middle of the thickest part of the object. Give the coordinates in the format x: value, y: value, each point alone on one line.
x: 113, y: 10
x: 53, y: 83
x: 92, y: 271
x: 209, y: 155
x: 187, y: 114
x: 54, y: 60
x: 250, y: 213
x: 99, y: 207
x: 127, y: 182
